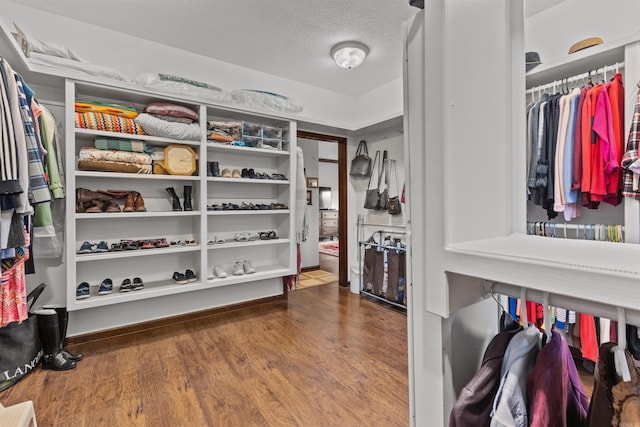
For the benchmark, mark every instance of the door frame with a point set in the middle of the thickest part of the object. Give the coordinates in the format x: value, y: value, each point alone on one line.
x: 343, y: 260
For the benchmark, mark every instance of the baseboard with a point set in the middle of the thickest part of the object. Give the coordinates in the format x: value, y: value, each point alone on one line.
x: 312, y: 268
x: 167, y: 321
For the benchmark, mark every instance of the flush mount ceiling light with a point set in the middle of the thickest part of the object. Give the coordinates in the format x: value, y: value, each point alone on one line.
x: 349, y: 54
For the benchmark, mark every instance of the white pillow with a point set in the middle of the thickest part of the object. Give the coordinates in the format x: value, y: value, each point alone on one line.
x: 158, y: 127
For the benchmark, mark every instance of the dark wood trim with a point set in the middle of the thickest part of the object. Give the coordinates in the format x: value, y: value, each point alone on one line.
x: 343, y: 276
x: 307, y: 269
x: 172, y: 320
x: 327, y: 160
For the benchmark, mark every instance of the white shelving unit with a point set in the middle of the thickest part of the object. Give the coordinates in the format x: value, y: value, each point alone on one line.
x: 272, y: 259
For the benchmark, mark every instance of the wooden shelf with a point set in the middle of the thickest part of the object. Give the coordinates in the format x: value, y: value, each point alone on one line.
x: 105, y: 256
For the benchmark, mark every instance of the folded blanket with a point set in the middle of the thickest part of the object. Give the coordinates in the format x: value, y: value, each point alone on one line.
x: 158, y: 127
x: 107, y: 122
x: 107, y: 166
x: 122, y: 144
x: 99, y: 107
x: 90, y: 153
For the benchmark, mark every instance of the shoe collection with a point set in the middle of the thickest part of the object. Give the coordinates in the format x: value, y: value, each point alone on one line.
x: 127, y: 245
x: 175, y: 200
x: 182, y: 279
x: 246, y: 206
x: 106, y: 287
x: 239, y: 268
x: 248, y: 173
x: 88, y: 201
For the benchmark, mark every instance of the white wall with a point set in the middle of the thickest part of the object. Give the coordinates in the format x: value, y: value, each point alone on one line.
x: 328, y: 176
x: 552, y: 31
x: 309, y: 248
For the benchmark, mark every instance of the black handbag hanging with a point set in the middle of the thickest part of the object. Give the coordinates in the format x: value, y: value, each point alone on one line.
x: 20, y: 345
x: 361, y: 163
x: 383, y: 196
x: 372, y: 197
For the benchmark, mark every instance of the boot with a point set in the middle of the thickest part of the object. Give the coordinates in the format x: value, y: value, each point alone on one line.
x: 215, y: 169
x: 175, y: 199
x: 209, y: 169
x: 63, y: 321
x: 187, y: 198
x: 49, y: 331
x: 139, y: 204
x: 129, y: 203
x: 94, y: 206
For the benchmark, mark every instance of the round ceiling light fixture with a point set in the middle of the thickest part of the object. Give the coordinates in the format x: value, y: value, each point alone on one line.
x: 349, y: 54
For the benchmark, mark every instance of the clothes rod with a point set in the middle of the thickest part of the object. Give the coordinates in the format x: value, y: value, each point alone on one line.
x: 561, y: 301
x: 559, y: 83
x: 562, y: 225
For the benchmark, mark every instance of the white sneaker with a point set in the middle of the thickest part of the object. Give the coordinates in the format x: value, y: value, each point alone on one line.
x: 238, y: 269
x: 248, y: 268
x: 219, y: 272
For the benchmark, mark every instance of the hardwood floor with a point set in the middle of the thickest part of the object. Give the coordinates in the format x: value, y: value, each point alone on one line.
x: 325, y: 357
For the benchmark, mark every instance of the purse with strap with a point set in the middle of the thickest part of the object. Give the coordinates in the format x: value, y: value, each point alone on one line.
x: 394, y: 207
x: 361, y: 163
x: 372, y: 196
x: 383, y: 196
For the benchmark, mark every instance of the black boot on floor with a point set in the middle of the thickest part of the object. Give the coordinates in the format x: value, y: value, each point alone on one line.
x: 187, y: 198
x: 175, y: 199
x: 63, y: 321
x: 49, y: 332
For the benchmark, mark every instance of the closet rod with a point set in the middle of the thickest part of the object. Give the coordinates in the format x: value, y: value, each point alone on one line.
x: 365, y: 224
x: 559, y: 83
x: 562, y: 301
x: 562, y: 225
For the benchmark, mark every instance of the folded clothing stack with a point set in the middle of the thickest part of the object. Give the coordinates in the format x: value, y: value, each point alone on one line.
x: 224, y: 131
x: 169, y: 120
x: 107, y: 117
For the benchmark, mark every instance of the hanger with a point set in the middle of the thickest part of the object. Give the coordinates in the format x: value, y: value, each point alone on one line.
x: 619, y: 357
x: 523, y: 308
x: 546, y: 317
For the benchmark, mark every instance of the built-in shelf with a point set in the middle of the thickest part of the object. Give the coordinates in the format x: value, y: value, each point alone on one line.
x: 104, y: 256
x: 261, y: 273
x: 121, y: 215
x: 235, y: 244
x: 248, y: 212
x: 153, y: 140
x: 248, y: 180
x: 216, y: 146
x: 111, y: 175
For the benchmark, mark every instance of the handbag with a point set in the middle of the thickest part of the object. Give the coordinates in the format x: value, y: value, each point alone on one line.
x: 383, y: 196
x: 21, y: 347
x: 393, y: 206
x: 361, y: 163
x: 372, y: 196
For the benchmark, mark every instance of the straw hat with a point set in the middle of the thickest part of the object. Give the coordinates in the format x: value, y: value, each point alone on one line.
x: 583, y: 44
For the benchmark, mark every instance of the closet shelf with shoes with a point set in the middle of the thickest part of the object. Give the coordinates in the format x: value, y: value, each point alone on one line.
x: 164, y: 178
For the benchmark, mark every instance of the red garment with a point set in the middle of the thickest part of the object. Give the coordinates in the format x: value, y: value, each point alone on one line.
x: 588, y: 143
x: 588, y: 337
x: 601, y: 162
x: 577, y: 143
x: 616, y: 99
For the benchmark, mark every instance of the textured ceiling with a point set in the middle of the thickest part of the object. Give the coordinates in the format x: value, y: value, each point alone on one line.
x: 287, y: 38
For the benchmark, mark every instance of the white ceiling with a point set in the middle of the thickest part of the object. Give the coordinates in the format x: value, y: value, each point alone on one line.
x: 286, y: 38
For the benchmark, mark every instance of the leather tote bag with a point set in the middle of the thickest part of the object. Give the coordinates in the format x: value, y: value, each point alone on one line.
x: 20, y: 347
x: 372, y: 196
x: 393, y: 205
x: 361, y: 163
x: 383, y: 195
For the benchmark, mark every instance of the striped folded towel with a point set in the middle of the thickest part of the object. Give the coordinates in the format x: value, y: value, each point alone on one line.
x: 122, y: 144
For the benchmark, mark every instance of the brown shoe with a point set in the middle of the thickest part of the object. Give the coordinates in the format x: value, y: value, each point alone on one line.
x: 129, y: 204
x: 139, y: 203
x: 95, y: 206
x: 112, y: 206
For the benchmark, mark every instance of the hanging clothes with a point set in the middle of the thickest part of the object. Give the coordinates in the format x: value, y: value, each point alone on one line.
x: 613, y: 402
x: 630, y: 164
x: 475, y: 400
x: 556, y: 395
x: 510, y: 403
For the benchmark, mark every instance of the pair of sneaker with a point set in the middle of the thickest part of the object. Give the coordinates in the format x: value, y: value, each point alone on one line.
x: 244, y: 267
x: 127, y: 285
x: 182, y: 279
x: 89, y: 248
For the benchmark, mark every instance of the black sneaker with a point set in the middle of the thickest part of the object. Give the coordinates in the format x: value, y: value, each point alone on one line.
x: 137, y: 284
x: 190, y: 276
x: 179, y: 278
x: 126, y: 286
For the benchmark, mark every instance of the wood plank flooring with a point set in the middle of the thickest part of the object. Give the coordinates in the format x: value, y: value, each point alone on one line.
x: 325, y: 357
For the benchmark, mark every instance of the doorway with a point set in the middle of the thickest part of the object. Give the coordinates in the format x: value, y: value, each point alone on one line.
x: 341, y: 212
